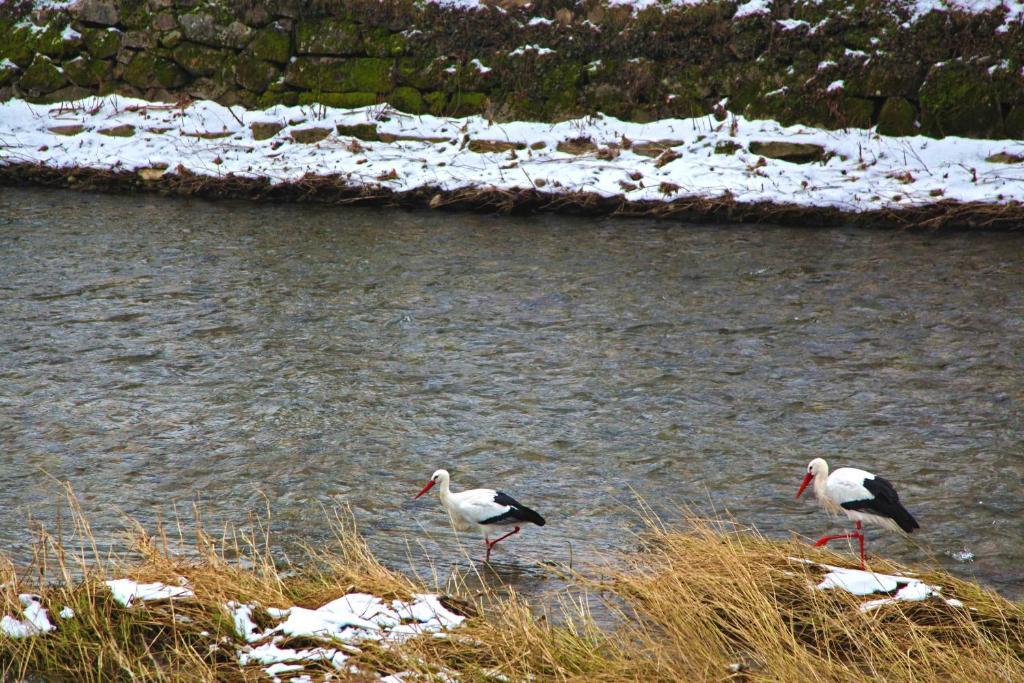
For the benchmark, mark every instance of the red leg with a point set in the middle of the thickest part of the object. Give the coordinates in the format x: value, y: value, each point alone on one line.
x: 825, y: 539
x: 855, y: 534
x: 491, y: 544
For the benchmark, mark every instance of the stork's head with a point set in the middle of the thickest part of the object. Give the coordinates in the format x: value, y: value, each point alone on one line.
x: 815, y: 468
x: 438, y: 477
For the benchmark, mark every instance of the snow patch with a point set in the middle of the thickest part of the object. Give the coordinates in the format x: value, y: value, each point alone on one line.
x: 127, y: 592
x: 753, y: 7
x: 342, y: 624
x: 34, y: 621
x: 523, y: 49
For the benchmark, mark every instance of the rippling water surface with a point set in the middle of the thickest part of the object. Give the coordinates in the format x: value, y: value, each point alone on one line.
x: 159, y: 353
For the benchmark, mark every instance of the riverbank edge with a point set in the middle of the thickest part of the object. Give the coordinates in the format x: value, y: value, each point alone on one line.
x: 698, y: 600
x: 337, y: 190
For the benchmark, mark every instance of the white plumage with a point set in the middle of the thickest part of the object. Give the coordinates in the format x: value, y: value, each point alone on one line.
x: 485, y: 510
x: 861, y: 496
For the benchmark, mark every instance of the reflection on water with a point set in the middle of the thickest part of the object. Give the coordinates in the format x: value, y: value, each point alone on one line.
x: 159, y: 353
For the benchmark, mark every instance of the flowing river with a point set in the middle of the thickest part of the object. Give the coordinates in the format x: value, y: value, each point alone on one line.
x: 164, y: 353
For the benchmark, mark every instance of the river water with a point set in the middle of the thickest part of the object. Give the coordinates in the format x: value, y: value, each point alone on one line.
x: 162, y: 353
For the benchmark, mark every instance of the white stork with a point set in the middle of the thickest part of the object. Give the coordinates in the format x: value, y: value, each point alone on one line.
x: 486, y: 510
x: 863, y: 496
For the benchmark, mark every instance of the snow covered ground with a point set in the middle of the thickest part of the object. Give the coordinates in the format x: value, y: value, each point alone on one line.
x: 661, y: 161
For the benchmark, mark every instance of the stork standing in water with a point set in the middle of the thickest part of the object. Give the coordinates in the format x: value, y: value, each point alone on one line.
x: 863, y: 496
x: 485, y: 510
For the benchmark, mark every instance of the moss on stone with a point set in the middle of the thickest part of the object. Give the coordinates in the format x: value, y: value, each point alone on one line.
x: 436, y: 102
x: 328, y: 37
x: 897, y: 117
x: 272, y: 44
x: 407, y: 99
x: 8, y: 71
x: 956, y: 99
x: 148, y: 70
x: 85, y: 71
x: 468, y: 103
x: 380, y: 42
x: 344, y: 100
x: 325, y: 74
x: 856, y: 112
x: 52, y: 43
x: 420, y: 72
x: 102, y: 43
x: 887, y: 77
x: 270, y: 99
x: 199, y: 60
x: 362, y: 131
x: 20, y: 47
x: 1014, y: 122
x: 254, y: 74
x: 42, y: 76
x: 370, y: 74
x: 171, y: 39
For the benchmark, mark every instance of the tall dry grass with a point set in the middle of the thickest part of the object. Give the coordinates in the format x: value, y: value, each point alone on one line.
x: 705, y: 601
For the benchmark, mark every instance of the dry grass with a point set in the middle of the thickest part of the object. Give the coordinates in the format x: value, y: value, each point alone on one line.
x: 339, y: 190
x: 709, y: 601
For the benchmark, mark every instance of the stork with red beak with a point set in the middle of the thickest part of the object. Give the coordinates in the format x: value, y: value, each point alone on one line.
x: 486, y: 510
x: 863, y: 496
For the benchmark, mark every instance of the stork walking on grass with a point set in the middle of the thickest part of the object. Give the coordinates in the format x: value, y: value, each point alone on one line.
x: 486, y: 510
x: 863, y: 496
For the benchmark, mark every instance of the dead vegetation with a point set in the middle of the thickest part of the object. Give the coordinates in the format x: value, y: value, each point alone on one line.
x: 706, y: 601
x: 339, y: 190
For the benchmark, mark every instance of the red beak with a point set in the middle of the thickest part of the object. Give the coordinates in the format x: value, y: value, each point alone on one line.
x: 807, y: 480
x: 425, y: 488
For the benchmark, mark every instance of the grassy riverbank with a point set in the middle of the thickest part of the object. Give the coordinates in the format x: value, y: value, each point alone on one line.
x: 704, y: 602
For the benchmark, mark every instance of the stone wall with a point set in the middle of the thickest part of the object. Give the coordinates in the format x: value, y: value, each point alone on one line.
x: 835, y: 63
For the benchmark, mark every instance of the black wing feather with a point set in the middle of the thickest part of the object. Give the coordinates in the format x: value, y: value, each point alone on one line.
x: 518, y: 513
x: 886, y: 503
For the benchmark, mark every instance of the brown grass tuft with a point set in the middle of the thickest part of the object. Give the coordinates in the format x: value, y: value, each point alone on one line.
x: 708, y: 601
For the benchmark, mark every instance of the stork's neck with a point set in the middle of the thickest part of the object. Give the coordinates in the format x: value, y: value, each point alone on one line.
x: 444, y: 491
x: 821, y: 484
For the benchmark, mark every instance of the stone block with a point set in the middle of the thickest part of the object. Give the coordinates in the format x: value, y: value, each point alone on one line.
x: 897, y: 117
x: 99, y: 12
x: 85, y: 71
x: 102, y: 43
x: 139, y: 40
x: 254, y: 74
x: 125, y: 130
x: 263, y: 130
x: 328, y: 37
x: 199, y: 60
x: 147, y: 70
x: 42, y: 76
x: 326, y: 74
x: 796, y: 152
x: 271, y: 44
x: 957, y: 99
x: 407, y: 99
x: 309, y: 136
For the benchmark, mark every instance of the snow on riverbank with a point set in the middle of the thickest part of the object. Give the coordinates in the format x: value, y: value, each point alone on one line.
x: 855, y: 171
x: 340, y: 625
x: 861, y: 583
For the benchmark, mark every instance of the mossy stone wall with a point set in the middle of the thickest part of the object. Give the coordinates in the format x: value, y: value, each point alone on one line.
x: 832, y: 63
